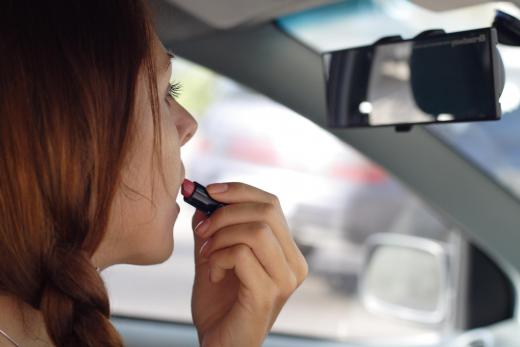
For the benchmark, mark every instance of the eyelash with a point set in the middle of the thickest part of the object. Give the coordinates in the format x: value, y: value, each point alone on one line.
x: 174, y: 90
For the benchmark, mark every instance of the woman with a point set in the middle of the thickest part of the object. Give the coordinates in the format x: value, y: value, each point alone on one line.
x: 90, y: 137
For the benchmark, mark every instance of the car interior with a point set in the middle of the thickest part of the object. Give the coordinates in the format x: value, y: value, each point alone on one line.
x: 275, y: 48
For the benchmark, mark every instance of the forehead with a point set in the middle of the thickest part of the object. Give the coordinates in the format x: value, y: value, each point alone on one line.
x: 162, y: 56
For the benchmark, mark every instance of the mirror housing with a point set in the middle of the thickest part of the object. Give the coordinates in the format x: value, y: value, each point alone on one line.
x: 436, y: 77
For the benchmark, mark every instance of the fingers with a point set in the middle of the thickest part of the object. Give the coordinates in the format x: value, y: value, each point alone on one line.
x: 251, y: 212
x: 250, y: 237
x: 240, y: 213
x: 234, y: 192
x: 260, y: 239
x: 261, y: 291
x: 198, y: 217
x: 247, y: 204
x: 243, y: 261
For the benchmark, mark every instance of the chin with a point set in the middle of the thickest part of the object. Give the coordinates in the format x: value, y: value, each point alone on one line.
x: 156, y: 250
x: 155, y: 255
x: 164, y: 249
x: 155, y: 244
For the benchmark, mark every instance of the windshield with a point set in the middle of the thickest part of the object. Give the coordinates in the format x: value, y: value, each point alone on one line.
x: 493, y: 146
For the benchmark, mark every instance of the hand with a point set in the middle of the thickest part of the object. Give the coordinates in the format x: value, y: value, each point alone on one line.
x: 246, y: 267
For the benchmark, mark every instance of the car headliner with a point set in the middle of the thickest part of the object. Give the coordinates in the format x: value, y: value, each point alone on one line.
x: 186, y: 19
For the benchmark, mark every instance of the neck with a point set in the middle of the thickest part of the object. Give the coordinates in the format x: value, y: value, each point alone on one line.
x: 22, y: 323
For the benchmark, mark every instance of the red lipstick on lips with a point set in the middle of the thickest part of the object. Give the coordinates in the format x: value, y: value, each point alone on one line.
x: 197, y: 196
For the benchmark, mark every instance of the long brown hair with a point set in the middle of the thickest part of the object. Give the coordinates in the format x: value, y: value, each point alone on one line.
x: 68, y: 76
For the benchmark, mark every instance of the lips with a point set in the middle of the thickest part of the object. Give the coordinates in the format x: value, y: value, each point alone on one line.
x: 188, y: 187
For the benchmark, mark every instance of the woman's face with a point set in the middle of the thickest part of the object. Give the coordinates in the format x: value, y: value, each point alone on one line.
x: 140, y: 228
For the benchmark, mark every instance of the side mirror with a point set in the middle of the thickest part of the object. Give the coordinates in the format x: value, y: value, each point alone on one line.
x: 406, y: 277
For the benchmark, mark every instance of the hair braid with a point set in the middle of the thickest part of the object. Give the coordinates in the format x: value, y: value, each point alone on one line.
x: 73, y: 309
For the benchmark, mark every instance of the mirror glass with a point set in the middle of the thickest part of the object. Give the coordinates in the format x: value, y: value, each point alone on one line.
x: 446, y: 78
x: 404, y: 278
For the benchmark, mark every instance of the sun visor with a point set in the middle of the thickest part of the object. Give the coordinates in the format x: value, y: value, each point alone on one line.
x: 446, y: 5
x: 226, y: 14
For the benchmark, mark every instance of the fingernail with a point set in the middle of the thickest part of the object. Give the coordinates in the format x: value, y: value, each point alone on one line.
x: 198, y: 224
x: 202, y: 227
x: 217, y: 188
x: 204, y: 249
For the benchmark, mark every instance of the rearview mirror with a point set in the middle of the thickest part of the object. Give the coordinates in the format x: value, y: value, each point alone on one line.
x: 434, y: 77
x: 406, y: 277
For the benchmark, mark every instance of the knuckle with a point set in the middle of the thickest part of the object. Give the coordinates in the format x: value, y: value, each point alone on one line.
x: 219, y: 214
x: 303, y: 271
x: 256, y: 233
x: 273, y: 199
x: 268, y: 210
x: 292, y: 282
x: 219, y: 217
x: 213, y: 260
x: 241, y: 252
x: 288, y: 287
x: 300, y: 266
x: 260, y: 231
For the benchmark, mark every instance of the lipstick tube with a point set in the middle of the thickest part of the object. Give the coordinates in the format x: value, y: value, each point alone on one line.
x: 197, y: 196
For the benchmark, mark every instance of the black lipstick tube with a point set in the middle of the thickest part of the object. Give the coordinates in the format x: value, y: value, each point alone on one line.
x: 201, y: 200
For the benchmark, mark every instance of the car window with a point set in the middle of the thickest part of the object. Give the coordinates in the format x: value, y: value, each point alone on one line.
x: 337, y: 204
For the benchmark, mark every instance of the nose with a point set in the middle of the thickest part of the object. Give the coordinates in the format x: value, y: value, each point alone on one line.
x: 186, y: 126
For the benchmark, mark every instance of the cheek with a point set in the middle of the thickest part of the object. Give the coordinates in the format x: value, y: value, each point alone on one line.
x: 170, y: 149
x: 140, y: 233
x: 144, y: 212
